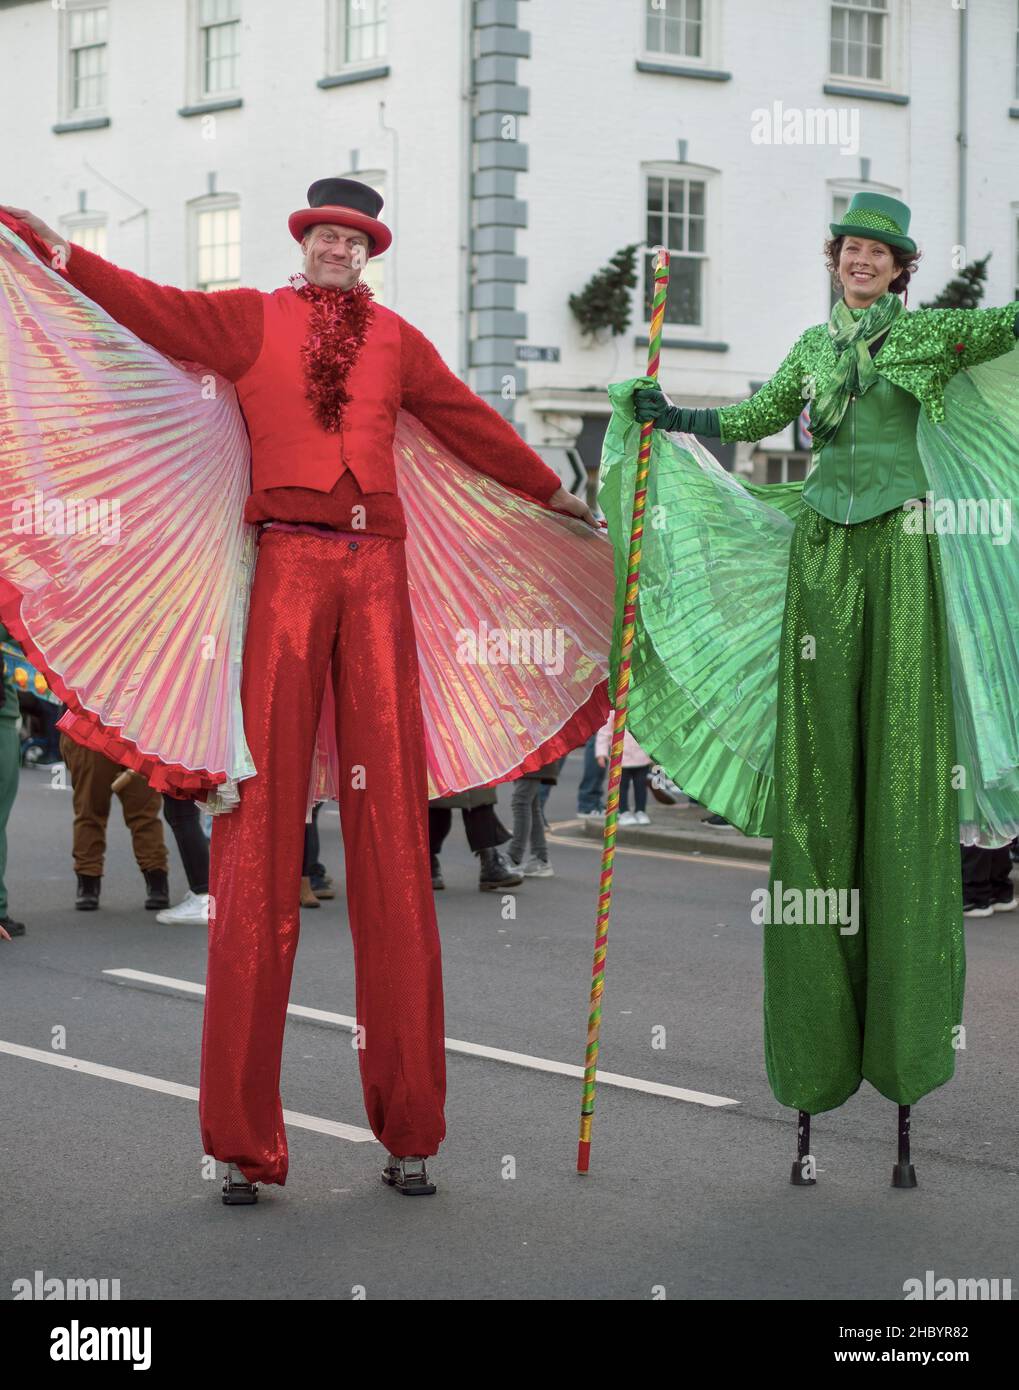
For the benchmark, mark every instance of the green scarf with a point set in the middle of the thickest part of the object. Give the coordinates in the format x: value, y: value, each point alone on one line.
x: 855, y: 372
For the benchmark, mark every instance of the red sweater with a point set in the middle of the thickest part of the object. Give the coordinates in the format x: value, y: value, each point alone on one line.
x: 224, y: 330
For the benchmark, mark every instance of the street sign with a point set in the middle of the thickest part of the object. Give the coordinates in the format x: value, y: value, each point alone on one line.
x: 526, y: 353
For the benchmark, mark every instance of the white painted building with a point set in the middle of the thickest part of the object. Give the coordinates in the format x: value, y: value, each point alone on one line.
x: 519, y: 144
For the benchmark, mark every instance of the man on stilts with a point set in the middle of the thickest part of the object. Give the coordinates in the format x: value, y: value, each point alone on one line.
x: 320, y: 371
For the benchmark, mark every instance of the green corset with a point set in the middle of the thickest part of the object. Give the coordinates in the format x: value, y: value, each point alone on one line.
x: 872, y: 465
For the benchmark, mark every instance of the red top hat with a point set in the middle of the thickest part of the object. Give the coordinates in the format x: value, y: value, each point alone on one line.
x: 346, y: 203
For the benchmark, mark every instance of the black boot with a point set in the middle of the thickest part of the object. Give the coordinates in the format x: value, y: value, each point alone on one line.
x: 157, y: 888
x: 11, y: 927
x: 494, y: 873
x: 437, y: 881
x: 88, y: 892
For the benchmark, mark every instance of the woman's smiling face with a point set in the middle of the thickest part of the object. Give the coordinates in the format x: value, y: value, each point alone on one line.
x: 866, y: 269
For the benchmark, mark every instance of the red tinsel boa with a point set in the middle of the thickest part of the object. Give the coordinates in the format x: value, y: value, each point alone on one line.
x: 336, y: 334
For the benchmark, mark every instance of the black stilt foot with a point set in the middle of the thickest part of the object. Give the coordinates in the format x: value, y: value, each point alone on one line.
x: 408, y: 1175
x: 237, y: 1191
x: 804, y: 1173
x: 904, y: 1174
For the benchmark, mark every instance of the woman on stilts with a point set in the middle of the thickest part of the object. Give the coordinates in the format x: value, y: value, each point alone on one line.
x: 871, y: 729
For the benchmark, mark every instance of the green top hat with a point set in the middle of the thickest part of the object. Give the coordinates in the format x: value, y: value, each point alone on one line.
x: 878, y: 217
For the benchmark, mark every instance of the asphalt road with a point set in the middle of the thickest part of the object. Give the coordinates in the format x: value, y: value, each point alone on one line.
x: 102, y: 1178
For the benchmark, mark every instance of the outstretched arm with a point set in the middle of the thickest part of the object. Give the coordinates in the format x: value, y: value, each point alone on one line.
x: 771, y: 408
x: 221, y: 330
x: 765, y: 412
x: 471, y: 428
x: 973, y: 336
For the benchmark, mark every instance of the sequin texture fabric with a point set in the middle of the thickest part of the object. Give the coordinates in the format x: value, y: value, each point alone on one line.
x: 923, y: 351
x: 864, y: 763
x: 320, y: 602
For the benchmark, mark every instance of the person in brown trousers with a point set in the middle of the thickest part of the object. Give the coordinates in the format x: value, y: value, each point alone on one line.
x: 92, y: 777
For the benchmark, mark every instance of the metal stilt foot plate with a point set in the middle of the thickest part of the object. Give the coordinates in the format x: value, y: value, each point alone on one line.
x: 237, y: 1191
x: 408, y: 1175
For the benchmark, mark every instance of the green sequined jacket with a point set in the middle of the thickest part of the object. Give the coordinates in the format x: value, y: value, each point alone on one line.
x: 922, y: 352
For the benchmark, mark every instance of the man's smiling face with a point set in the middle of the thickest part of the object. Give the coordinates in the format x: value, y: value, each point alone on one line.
x: 334, y: 256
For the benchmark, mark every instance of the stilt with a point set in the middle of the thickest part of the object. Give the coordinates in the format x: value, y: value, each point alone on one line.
x: 904, y: 1174
x: 237, y: 1191
x: 408, y: 1175
x: 803, y: 1174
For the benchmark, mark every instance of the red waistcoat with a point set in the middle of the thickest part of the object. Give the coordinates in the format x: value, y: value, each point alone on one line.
x: 289, y: 448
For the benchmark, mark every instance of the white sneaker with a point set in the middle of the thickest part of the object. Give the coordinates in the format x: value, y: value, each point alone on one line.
x: 590, y: 815
x: 192, y: 912
x: 641, y: 818
x: 627, y: 818
x: 1010, y: 906
x: 537, y: 868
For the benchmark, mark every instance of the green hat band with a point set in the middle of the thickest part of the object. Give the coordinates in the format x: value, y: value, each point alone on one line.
x: 877, y: 221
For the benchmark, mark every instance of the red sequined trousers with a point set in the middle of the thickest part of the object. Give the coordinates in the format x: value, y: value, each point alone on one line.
x: 319, y: 600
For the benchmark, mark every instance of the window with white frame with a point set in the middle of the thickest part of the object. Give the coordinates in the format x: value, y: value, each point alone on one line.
x: 859, y: 39
x: 839, y: 205
x: 87, y: 231
x: 360, y: 32
x: 674, y: 28
x: 675, y: 219
x: 219, y: 47
x: 85, y: 59
x: 374, y: 273
x: 216, y: 243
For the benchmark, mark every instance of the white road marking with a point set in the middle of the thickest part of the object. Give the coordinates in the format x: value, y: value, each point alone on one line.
x: 491, y: 1054
x: 354, y: 1133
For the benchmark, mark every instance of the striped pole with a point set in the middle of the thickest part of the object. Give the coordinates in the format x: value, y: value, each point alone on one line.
x: 601, y: 931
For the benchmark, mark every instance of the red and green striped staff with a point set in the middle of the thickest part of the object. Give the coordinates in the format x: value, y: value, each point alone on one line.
x: 601, y: 931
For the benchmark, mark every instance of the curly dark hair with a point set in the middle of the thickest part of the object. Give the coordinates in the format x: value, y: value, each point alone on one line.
x: 905, y: 262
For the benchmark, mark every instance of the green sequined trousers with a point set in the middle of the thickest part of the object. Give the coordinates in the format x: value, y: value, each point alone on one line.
x: 864, y: 762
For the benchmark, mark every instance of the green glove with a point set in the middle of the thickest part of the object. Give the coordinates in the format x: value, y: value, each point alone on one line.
x: 649, y: 403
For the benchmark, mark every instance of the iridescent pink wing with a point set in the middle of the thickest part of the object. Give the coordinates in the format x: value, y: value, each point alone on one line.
x: 125, y: 566
x: 513, y: 608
